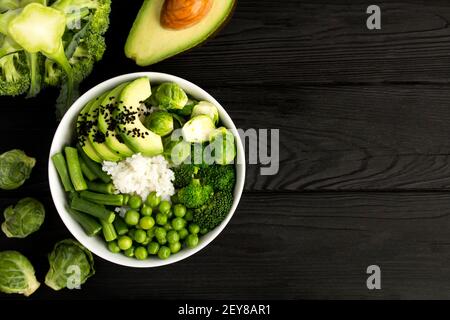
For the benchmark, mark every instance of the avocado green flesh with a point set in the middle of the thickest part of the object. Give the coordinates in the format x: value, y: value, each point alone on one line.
x: 146, y: 142
x: 87, y: 146
x: 104, y: 116
x: 101, y: 147
x: 149, y: 42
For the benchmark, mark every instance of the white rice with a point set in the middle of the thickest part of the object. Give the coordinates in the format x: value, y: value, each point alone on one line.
x: 141, y: 175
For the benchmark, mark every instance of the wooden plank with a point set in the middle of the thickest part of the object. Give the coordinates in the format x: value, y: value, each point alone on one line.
x: 288, y: 246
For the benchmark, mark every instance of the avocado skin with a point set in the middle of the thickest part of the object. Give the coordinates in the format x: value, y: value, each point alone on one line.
x: 133, y: 39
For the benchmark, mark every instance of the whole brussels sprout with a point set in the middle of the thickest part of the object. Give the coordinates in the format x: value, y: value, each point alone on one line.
x: 15, y: 168
x: 206, y: 108
x: 71, y: 265
x: 17, y: 274
x: 160, y: 122
x: 24, y: 218
x: 170, y: 96
x: 222, y: 145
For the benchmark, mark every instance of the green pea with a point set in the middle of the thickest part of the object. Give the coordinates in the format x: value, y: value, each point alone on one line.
x: 146, y: 223
x: 125, y: 242
x: 160, y: 233
x: 164, y: 207
x: 172, y: 236
x: 146, y: 241
x: 146, y: 210
x: 153, y: 247
x: 179, y: 210
x: 175, y: 247
x: 204, y: 231
x: 162, y: 241
x: 129, y: 252
x: 141, y: 253
x: 135, y: 202
x: 113, y: 247
x: 192, y: 241
x: 178, y: 223
x: 164, y: 252
x: 132, y: 217
x: 161, y: 219
x: 167, y: 226
x: 169, y: 214
x: 140, y: 236
x: 151, y: 232
x: 183, y: 233
x: 194, y: 228
x: 189, y: 215
x: 153, y: 200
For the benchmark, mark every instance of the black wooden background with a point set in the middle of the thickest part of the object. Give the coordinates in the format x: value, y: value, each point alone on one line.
x: 364, y: 119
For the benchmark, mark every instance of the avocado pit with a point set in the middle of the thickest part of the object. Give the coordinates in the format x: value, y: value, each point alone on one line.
x: 182, y: 14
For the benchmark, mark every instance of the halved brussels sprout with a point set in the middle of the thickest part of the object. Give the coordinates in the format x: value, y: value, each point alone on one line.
x: 24, y: 218
x: 206, y: 108
x: 222, y: 146
x: 17, y: 274
x: 177, y: 151
x: 15, y: 168
x: 198, y: 129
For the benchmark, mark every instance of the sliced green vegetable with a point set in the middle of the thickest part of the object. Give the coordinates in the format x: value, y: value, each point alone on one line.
x: 101, y: 198
x: 73, y: 163
x: 94, y: 209
x: 106, y: 188
x: 90, y: 225
x: 95, y: 167
x: 61, y: 167
x: 87, y: 172
x: 121, y: 226
x: 109, y: 233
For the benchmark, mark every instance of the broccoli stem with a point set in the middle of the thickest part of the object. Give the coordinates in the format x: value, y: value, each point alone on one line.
x: 35, y: 76
x: 60, y: 58
x: 106, y: 188
x: 100, y: 198
x: 121, y: 226
x: 109, y: 233
x: 90, y: 225
x: 74, y: 169
x: 94, y: 209
x: 60, y: 164
x: 94, y: 166
x: 88, y: 173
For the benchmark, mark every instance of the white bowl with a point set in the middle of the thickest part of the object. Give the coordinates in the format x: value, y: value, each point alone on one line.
x: 64, y: 136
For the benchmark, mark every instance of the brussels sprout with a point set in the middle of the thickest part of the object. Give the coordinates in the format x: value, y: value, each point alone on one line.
x: 177, y: 151
x: 222, y: 145
x: 15, y: 168
x: 170, y: 96
x: 198, y: 129
x: 160, y: 122
x: 71, y: 265
x: 17, y: 274
x: 206, y: 108
x: 24, y: 218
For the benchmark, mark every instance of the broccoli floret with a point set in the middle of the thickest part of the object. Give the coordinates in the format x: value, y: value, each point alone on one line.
x: 184, y: 174
x: 221, y: 178
x: 53, y: 74
x: 15, y: 77
x: 214, y: 211
x: 194, y: 195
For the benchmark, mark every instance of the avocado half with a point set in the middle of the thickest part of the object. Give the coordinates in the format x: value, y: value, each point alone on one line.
x: 149, y: 42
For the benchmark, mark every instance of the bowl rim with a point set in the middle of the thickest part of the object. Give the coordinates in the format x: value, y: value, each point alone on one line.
x: 56, y: 187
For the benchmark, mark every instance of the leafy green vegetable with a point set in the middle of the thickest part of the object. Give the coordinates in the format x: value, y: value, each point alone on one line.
x: 170, y: 96
x: 221, y: 178
x: 160, y: 122
x: 195, y: 194
x: 17, y: 274
x: 214, y: 211
x: 24, y: 218
x: 71, y: 265
x: 15, y: 168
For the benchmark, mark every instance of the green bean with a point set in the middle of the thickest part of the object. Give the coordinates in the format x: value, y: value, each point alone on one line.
x: 73, y: 164
x: 90, y: 225
x: 93, y: 209
x: 101, y: 198
x: 88, y: 173
x: 106, y: 188
x: 109, y: 233
x: 61, y: 167
x: 94, y: 166
x: 121, y: 226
